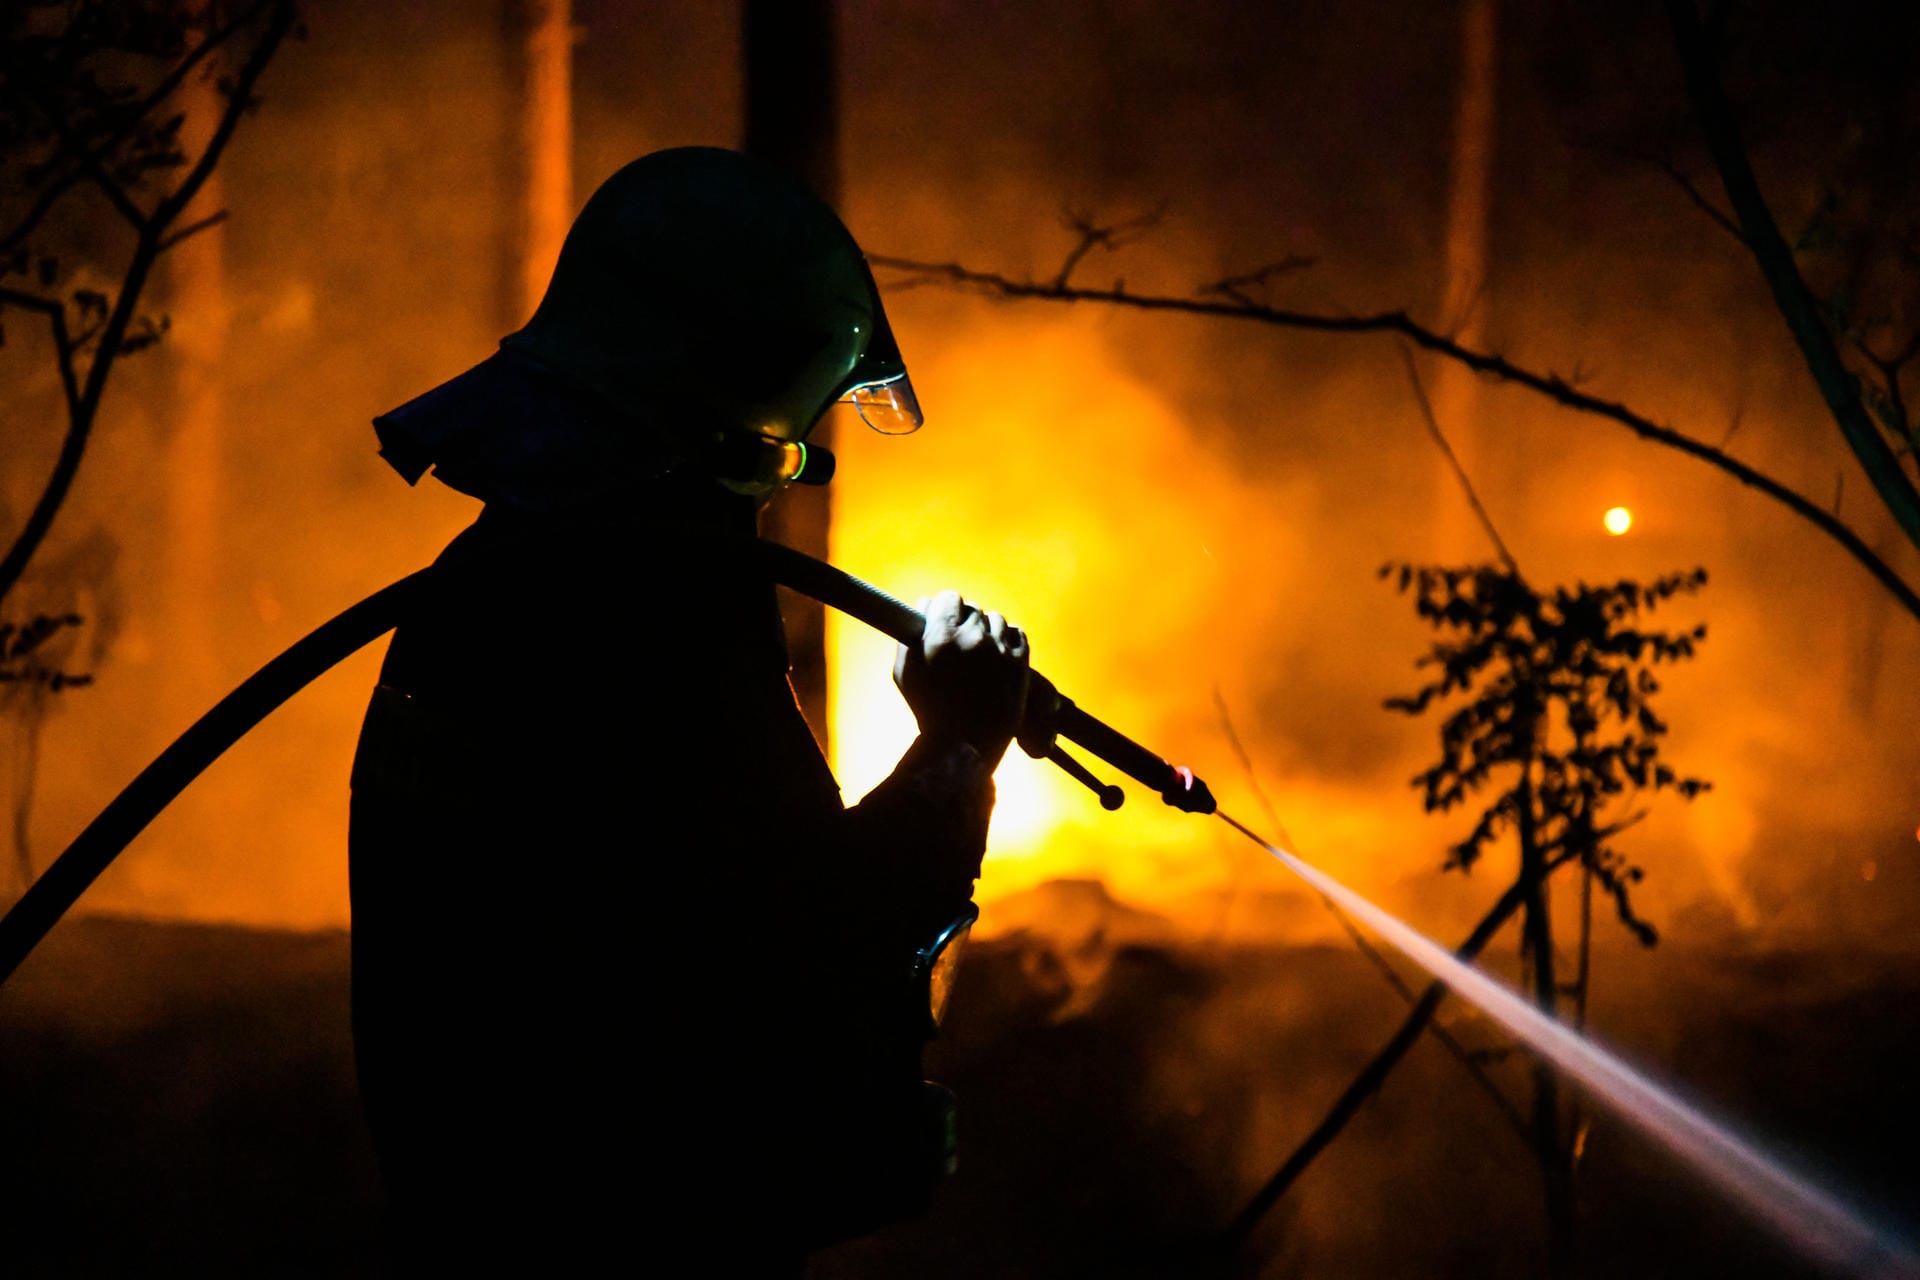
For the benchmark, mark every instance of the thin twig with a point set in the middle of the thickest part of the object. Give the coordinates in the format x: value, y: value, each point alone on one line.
x: 1368, y: 1079
x: 1775, y: 260
x: 1735, y: 420
x: 1699, y: 198
x: 63, y: 344
x: 1453, y: 461
x: 238, y: 104
x: 1890, y: 368
x: 1236, y: 286
x: 84, y: 408
x: 1665, y: 164
x: 51, y: 194
x: 192, y: 228
x: 1467, y: 1059
x: 1549, y: 385
x: 1109, y: 238
x: 90, y: 165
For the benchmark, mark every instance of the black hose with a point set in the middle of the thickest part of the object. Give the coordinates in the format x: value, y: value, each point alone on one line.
x: 93, y: 851
x: 1049, y: 712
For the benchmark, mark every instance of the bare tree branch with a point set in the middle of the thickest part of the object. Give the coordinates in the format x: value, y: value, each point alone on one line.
x: 89, y: 164
x: 84, y: 407
x: 191, y: 229
x: 1093, y: 235
x: 1890, y: 369
x: 50, y: 195
x: 1236, y: 287
x: 1678, y: 176
x: 1699, y: 198
x: 37, y: 211
x: 1775, y: 259
x: 1552, y: 386
x: 239, y: 102
x: 63, y: 344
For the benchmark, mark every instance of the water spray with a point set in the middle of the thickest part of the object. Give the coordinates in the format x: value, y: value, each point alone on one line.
x: 1816, y: 1223
x: 1813, y: 1221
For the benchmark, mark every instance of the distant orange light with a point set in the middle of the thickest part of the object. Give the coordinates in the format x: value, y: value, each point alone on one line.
x: 1617, y: 520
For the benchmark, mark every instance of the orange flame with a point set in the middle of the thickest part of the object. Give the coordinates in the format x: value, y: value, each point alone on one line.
x: 1071, y: 498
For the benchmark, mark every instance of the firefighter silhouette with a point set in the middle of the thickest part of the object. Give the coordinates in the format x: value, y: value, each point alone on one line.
x: 627, y: 973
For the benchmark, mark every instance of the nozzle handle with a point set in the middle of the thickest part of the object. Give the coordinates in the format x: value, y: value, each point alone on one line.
x: 1176, y: 784
x: 1050, y: 713
x: 1111, y: 797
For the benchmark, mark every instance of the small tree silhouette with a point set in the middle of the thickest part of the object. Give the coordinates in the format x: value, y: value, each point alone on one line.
x: 1557, y: 712
x: 1554, y: 706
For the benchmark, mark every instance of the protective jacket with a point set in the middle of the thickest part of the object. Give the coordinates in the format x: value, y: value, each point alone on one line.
x: 623, y: 962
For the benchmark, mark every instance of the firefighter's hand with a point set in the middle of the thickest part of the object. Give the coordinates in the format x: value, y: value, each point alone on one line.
x: 968, y: 677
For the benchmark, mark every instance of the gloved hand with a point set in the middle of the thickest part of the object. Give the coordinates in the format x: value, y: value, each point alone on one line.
x: 967, y: 678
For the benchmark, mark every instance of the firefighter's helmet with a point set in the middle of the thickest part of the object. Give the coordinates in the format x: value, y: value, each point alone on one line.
x: 704, y: 285
x: 702, y: 301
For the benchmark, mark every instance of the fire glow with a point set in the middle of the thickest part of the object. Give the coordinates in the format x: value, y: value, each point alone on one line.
x: 1117, y: 541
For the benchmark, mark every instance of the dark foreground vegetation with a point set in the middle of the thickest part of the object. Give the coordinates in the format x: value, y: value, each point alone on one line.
x: 180, y: 1099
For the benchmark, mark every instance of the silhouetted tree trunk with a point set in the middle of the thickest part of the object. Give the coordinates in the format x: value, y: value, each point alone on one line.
x: 792, y: 122
x: 1536, y: 934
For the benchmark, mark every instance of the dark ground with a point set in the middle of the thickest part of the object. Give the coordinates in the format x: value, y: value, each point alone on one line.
x: 180, y: 1099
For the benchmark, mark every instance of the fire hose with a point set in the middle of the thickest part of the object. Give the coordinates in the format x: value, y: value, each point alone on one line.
x: 1817, y: 1223
x: 1050, y: 716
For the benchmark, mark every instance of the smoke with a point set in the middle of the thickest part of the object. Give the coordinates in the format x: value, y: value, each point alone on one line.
x: 1056, y: 488
x: 1172, y: 507
x: 1183, y: 513
x: 1308, y: 452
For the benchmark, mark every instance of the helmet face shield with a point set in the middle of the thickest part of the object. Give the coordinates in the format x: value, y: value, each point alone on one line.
x: 877, y: 385
x: 889, y: 407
